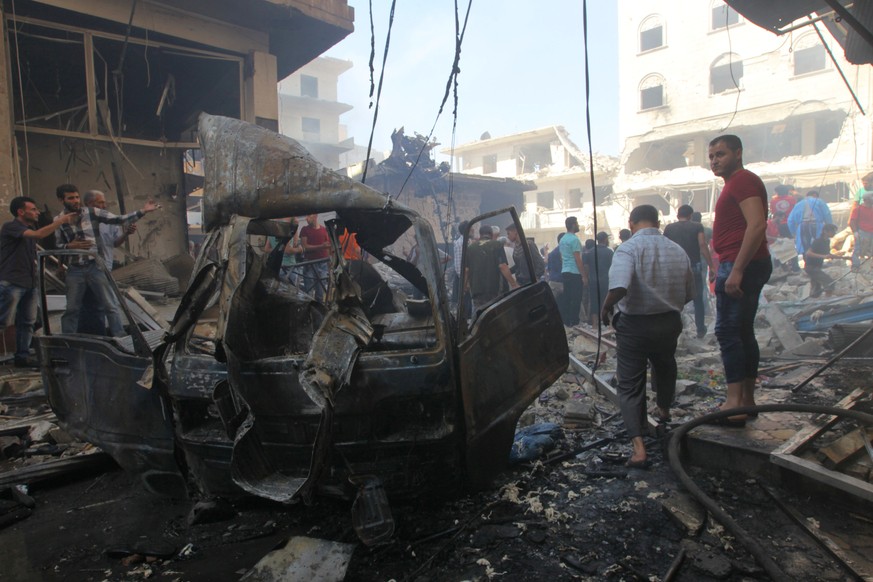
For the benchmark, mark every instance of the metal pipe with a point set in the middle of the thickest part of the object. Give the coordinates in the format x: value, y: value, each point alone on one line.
x: 839, y: 70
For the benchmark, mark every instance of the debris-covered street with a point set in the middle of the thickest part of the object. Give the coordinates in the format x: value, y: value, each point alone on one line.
x: 573, y: 511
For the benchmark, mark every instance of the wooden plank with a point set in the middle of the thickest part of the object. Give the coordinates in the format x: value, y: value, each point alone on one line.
x: 55, y: 468
x: 784, y: 329
x: 806, y: 435
x: 817, y: 472
x: 844, y: 447
x: 603, y: 387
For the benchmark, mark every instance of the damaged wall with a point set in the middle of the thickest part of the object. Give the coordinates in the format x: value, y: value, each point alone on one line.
x: 154, y: 173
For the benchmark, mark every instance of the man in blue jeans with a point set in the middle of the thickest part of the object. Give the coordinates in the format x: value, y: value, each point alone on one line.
x: 738, y: 238
x: 690, y: 236
x: 82, y: 271
x: 18, y: 296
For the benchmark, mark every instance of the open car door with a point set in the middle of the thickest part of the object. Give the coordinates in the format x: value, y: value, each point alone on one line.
x: 100, y: 388
x: 510, y: 348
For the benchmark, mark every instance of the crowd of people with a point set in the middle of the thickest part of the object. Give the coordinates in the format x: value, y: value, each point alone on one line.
x: 88, y: 227
x: 640, y: 287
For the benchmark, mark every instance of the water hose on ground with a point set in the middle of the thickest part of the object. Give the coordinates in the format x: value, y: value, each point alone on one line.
x: 673, y: 455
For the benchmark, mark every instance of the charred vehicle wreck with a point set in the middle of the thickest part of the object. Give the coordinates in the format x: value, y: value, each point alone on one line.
x: 258, y: 388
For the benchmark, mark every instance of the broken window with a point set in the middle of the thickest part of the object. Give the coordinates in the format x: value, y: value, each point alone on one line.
x: 652, y: 92
x: 574, y: 198
x: 725, y: 74
x: 546, y: 200
x: 489, y: 164
x: 309, y: 86
x: 148, y: 91
x: 809, y: 56
x: 311, y: 127
x: 533, y: 157
x: 651, y: 34
x: 723, y: 16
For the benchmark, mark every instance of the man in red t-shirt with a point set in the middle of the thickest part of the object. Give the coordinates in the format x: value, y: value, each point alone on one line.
x: 738, y: 237
x: 861, y: 222
x: 315, y: 243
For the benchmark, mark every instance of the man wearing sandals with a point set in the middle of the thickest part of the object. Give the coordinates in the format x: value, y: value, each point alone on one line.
x: 739, y: 239
x: 650, y: 282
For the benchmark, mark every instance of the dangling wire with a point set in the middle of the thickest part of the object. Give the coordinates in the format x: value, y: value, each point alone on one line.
x: 451, y: 87
x: 591, y: 175
x: 381, y: 79
x: 21, y: 96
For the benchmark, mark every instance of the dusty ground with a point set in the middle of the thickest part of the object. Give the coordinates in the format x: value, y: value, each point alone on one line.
x: 583, y: 517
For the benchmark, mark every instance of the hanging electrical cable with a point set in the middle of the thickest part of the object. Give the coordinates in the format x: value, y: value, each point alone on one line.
x: 381, y: 79
x: 21, y: 97
x: 591, y: 176
x: 451, y: 87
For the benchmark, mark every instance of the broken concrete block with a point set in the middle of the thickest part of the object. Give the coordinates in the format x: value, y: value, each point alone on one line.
x: 685, y: 511
x: 40, y: 431
x: 809, y: 347
x: 60, y: 436
x: 210, y: 511
x: 686, y: 386
x: 20, y: 384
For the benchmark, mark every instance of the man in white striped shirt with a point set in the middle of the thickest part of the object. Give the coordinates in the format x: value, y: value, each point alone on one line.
x: 650, y: 282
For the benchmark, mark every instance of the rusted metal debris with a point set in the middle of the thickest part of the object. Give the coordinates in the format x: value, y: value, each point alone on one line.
x: 259, y: 388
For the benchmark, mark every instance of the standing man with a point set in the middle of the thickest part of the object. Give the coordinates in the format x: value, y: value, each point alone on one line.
x: 781, y: 205
x: 18, y: 303
x: 807, y: 219
x: 571, y: 272
x: 553, y: 264
x: 744, y: 267
x: 813, y: 261
x: 649, y: 283
x: 520, y: 270
x: 861, y: 223
x: 486, y: 264
x: 866, y: 186
x: 111, y: 235
x: 690, y: 236
x: 597, y: 263
x: 315, y: 243
x: 82, y: 270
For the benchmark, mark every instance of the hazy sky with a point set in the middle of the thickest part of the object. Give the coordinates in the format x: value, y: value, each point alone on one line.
x: 522, y: 68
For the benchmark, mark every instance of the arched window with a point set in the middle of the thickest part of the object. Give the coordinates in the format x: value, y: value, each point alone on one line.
x: 725, y: 73
x: 809, y: 55
x: 651, y: 33
x: 722, y: 16
x: 652, y: 92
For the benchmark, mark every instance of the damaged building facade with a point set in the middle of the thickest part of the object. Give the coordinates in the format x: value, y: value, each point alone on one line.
x: 559, y: 171
x: 105, y: 93
x: 690, y: 71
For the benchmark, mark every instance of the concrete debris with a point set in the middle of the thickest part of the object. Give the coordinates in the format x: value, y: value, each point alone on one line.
x: 148, y: 274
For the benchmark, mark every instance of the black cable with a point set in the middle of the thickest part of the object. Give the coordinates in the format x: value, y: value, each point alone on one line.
x: 673, y: 456
x: 593, y: 187
x: 379, y: 91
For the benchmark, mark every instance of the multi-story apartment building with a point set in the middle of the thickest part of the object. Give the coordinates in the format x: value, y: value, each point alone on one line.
x: 692, y: 70
x: 560, y: 171
x: 309, y: 110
